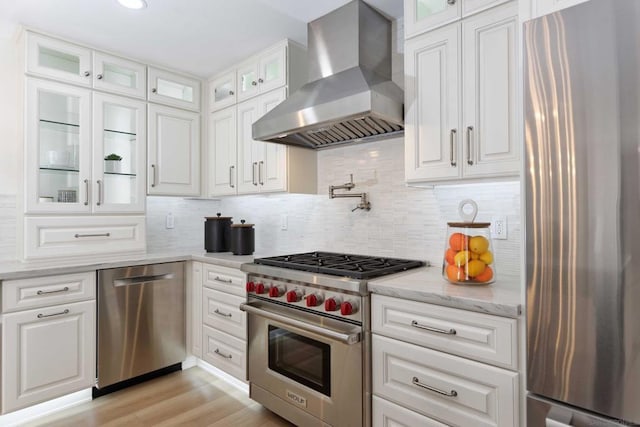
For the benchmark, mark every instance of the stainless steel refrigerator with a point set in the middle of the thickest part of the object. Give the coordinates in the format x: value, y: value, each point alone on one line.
x: 582, y: 180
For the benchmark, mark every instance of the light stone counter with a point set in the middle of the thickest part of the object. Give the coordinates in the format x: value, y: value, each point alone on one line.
x: 23, y: 270
x: 427, y: 285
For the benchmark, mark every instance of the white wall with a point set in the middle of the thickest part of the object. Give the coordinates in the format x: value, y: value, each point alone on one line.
x: 9, y: 108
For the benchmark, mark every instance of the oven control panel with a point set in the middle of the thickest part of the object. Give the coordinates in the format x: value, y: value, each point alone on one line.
x: 305, y: 296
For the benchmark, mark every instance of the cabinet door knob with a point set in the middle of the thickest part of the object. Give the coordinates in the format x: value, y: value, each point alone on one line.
x: 260, y: 81
x: 99, y: 76
x: 254, y: 83
x: 451, y: 2
x: 231, y: 92
x: 154, y: 90
x: 87, y: 73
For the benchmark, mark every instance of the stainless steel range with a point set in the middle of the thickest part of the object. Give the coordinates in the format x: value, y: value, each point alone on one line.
x: 309, y: 335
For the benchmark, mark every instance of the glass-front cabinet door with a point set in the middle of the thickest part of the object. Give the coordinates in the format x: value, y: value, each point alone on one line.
x: 59, y: 60
x: 222, y: 91
x: 273, y: 69
x: 119, y: 75
x: 119, y: 138
x: 423, y: 15
x: 173, y: 89
x: 58, y: 148
x: 247, y: 80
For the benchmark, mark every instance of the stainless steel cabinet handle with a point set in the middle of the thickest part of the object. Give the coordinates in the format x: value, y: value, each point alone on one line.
x: 254, y: 83
x: 451, y: 2
x: 77, y: 236
x: 260, y: 178
x: 220, y: 313
x: 451, y: 393
x: 142, y: 279
x: 153, y: 175
x: 87, y: 73
x: 231, y: 184
x: 432, y: 329
x: 219, y: 353
x: 99, y: 76
x: 65, y: 289
x: 469, y: 134
x: 86, y: 192
x: 220, y: 279
x: 154, y: 90
x: 100, y: 193
x: 253, y: 177
x: 452, y: 140
x: 231, y: 92
x: 40, y: 316
x: 260, y: 81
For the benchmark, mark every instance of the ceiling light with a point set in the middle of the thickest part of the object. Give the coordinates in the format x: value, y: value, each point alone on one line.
x: 133, y: 4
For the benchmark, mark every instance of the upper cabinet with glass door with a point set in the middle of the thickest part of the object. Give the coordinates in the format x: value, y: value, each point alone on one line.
x: 425, y: 15
x: 165, y: 87
x: 263, y: 72
x: 222, y: 91
x: 47, y: 57
x: 118, y: 75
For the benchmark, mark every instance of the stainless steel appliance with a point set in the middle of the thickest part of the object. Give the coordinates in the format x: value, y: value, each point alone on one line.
x: 141, y: 320
x: 582, y: 86
x: 308, y: 335
x: 350, y: 96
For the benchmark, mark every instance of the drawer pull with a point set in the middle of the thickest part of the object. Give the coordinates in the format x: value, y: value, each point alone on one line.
x: 417, y: 382
x: 220, y: 313
x: 77, y: 236
x: 65, y: 289
x: 221, y: 354
x: 220, y: 279
x: 40, y: 316
x: 432, y: 329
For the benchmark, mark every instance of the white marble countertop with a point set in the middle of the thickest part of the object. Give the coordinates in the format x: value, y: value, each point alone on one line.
x: 426, y: 284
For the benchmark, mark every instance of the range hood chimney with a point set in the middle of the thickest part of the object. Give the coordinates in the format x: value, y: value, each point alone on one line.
x: 350, y: 96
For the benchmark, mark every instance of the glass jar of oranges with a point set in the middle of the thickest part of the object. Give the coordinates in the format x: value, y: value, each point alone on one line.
x: 468, y: 256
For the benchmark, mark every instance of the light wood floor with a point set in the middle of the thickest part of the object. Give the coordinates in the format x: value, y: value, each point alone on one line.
x: 188, y: 398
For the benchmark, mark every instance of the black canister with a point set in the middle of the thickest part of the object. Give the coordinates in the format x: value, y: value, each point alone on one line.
x: 217, y: 233
x: 242, y: 238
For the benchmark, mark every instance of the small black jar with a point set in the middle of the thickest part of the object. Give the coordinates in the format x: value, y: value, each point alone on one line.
x: 217, y: 233
x: 242, y: 238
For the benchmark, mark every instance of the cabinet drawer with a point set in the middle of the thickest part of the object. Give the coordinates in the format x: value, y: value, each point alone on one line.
x: 221, y: 311
x: 224, y: 279
x: 53, y: 237
x: 447, y: 388
x: 478, y: 336
x: 387, y: 414
x: 224, y: 352
x: 44, y: 291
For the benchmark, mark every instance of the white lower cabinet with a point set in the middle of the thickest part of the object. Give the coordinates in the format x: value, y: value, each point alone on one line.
x: 430, y: 383
x: 47, y: 353
x: 224, y: 352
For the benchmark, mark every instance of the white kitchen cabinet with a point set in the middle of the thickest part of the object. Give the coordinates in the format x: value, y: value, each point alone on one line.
x: 544, y: 7
x: 262, y: 73
x: 470, y: 7
x: 225, y: 352
x: 461, y: 99
x: 222, y: 91
x: 119, y: 75
x: 46, y: 353
x: 224, y: 279
x: 221, y: 311
x: 59, y: 60
x: 174, y: 152
x: 222, y: 152
x: 387, y: 414
x: 194, y: 325
x: 166, y: 87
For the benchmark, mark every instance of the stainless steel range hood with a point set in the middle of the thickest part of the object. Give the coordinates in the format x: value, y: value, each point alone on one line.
x: 350, y: 96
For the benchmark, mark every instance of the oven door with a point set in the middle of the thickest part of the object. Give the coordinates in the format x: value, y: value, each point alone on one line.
x: 302, y: 364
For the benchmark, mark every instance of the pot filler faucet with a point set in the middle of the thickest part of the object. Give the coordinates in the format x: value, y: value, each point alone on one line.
x: 364, y: 202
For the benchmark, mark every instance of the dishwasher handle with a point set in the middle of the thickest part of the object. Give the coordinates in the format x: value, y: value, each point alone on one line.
x: 142, y: 279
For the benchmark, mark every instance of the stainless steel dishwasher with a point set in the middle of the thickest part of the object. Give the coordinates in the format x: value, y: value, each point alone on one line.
x: 141, y: 322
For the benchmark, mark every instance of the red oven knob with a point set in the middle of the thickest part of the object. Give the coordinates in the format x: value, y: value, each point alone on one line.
x: 293, y: 296
x: 275, y: 291
x: 313, y: 300
x: 251, y: 287
x: 347, y: 308
x: 259, y: 288
x: 331, y: 304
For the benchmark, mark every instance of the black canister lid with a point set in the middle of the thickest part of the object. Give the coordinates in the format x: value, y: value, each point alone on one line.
x: 217, y: 217
x: 242, y: 224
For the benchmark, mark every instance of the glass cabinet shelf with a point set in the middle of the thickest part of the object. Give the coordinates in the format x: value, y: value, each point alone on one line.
x: 133, y: 175
x: 59, y: 126
x: 58, y: 168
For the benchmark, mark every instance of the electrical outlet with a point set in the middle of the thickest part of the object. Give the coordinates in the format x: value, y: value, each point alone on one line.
x: 170, y: 221
x: 499, y: 227
x: 284, y: 222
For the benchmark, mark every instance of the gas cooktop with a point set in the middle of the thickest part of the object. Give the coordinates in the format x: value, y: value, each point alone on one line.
x: 354, y: 266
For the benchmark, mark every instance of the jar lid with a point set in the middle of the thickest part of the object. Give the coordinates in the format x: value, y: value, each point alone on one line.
x: 469, y: 224
x: 242, y: 225
x: 218, y: 217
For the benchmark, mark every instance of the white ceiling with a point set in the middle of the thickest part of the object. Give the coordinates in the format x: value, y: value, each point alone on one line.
x: 202, y: 37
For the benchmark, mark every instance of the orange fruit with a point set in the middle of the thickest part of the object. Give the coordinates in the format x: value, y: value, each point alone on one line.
x: 486, y: 257
x: 485, y: 276
x: 478, y: 244
x: 461, y: 258
x: 455, y: 274
x: 449, y: 256
x: 458, y: 241
x: 475, y: 267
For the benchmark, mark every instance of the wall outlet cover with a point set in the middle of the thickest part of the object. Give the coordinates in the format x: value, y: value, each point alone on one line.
x: 170, y: 221
x: 499, y: 227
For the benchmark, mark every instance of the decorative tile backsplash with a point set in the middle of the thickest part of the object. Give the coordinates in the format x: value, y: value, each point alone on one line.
x: 403, y: 222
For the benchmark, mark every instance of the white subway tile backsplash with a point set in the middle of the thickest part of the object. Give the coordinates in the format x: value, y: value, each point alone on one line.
x: 7, y: 227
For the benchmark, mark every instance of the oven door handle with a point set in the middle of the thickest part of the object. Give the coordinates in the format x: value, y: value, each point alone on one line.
x: 346, y: 338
